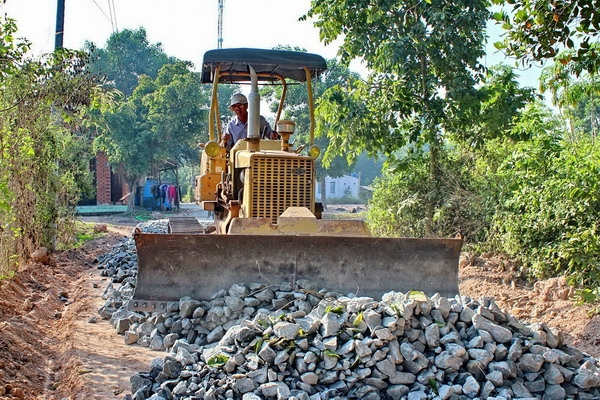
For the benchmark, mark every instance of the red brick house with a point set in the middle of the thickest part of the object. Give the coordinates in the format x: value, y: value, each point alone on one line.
x: 110, y: 187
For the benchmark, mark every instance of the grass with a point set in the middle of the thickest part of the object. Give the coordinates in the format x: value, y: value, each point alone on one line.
x: 82, y: 233
x: 331, y: 213
x: 346, y: 200
x: 6, y: 275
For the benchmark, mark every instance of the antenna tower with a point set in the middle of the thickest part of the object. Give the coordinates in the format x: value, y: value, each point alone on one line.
x: 220, y: 26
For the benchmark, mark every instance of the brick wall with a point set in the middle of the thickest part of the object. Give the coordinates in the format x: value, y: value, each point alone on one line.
x: 102, y: 179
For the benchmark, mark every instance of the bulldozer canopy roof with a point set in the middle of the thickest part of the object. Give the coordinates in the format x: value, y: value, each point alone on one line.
x: 268, y: 64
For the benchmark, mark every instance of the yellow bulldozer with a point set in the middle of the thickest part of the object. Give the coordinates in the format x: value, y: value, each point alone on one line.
x: 267, y: 225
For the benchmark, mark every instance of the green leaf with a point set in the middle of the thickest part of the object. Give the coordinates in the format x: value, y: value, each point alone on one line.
x: 417, y: 295
x: 358, y: 320
x: 335, y: 309
x: 433, y: 385
x: 330, y: 353
x: 217, y: 361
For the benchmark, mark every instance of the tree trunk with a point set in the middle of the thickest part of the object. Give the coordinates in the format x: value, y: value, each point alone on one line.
x: 323, y: 192
x: 432, y: 192
x: 132, y: 187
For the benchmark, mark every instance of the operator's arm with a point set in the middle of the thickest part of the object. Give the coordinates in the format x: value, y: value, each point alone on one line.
x: 227, y: 137
x: 265, y: 130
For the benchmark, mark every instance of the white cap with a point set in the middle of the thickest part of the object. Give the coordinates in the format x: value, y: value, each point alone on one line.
x: 238, y: 98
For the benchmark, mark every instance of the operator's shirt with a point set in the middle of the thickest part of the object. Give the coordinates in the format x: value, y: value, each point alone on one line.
x: 239, y: 130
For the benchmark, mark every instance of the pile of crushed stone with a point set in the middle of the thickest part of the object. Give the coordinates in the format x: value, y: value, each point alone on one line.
x: 265, y: 342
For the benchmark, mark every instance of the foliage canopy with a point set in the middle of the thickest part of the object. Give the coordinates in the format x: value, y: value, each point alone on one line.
x: 540, y: 29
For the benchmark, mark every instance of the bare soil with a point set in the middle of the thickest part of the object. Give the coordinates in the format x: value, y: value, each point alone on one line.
x: 53, y: 344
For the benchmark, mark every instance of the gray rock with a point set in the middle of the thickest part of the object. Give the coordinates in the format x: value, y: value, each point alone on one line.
x: 508, y: 370
x: 286, y: 330
x: 244, y: 385
x: 372, y: 319
x: 396, y: 392
x: 519, y: 390
x: 386, y: 367
x: 121, y: 324
x: 187, y: 306
x: 415, y: 366
x: 495, y: 377
x: 310, y: 378
x: 408, y: 351
x: 185, y: 357
x: 267, y: 353
x: 530, y: 362
x: 156, y: 343
x: 215, y: 335
x: 554, y: 392
x: 499, y: 333
x: 587, y: 377
x: 236, y: 304
x: 536, y: 386
x: 330, y: 324
x: 251, y: 396
x: 432, y: 335
x: 466, y: 315
x: 553, y: 375
x: 139, y: 382
x: 466, y: 346
x: 418, y: 395
x: 402, y: 378
x: 131, y: 337
x: 471, y: 387
x: 449, y: 361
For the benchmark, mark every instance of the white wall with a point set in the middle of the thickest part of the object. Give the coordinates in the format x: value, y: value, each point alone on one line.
x: 345, y: 186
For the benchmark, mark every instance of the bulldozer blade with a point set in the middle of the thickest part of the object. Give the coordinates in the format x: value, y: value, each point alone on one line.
x: 171, y: 266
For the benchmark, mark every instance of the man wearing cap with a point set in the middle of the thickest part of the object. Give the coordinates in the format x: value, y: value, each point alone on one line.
x: 237, y: 128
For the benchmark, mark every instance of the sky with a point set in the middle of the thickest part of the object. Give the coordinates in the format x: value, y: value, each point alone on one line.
x: 188, y: 28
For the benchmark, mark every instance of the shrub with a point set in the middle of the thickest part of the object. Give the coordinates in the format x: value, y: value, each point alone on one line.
x: 549, y: 213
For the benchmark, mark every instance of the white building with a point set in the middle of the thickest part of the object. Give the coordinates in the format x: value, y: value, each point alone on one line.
x: 345, y: 186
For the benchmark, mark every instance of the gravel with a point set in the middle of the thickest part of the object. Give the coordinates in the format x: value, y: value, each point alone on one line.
x: 255, y: 341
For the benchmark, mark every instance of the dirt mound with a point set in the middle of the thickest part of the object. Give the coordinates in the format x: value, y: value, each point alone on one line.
x: 548, y: 301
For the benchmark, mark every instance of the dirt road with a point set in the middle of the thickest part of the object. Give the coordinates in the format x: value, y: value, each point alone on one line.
x: 53, y: 344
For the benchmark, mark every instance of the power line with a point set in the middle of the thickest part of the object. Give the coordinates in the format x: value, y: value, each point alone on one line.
x: 109, y: 18
x: 113, y: 15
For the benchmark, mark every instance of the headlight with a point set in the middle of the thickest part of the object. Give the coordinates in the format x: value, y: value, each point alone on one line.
x: 314, y: 151
x: 212, y: 148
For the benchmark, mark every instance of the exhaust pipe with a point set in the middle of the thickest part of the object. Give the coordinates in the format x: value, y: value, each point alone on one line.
x: 253, y: 113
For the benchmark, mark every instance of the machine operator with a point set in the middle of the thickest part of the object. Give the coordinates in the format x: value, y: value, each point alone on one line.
x: 237, y: 128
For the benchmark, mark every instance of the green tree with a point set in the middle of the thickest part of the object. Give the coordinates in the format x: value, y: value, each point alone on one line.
x: 574, y: 91
x: 127, y: 56
x: 42, y: 172
x: 424, y: 62
x: 539, y: 29
x: 547, y: 201
x: 368, y: 168
x: 160, y: 121
x: 501, y: 101
x: 586, y: 112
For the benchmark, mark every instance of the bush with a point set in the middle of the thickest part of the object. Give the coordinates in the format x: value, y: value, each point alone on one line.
x: 400, y: 196
x: 549, y: 213
x: 43, y: 169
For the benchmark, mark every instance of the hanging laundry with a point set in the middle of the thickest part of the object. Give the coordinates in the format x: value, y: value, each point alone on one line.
x: 172, y: 194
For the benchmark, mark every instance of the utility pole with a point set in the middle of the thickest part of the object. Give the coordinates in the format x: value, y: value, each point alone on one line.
x: 220, y: 26
x: 60, y: 24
